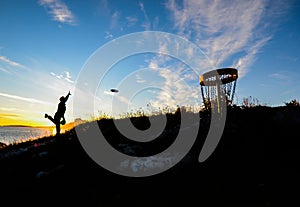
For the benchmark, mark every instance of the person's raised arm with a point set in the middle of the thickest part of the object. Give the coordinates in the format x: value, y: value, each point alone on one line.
x: 67, y: 96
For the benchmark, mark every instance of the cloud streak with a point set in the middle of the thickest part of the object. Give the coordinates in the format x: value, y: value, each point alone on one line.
x: 4, y: 70
x: 229, y: 32
x: 11, y: 63
x: 59, y: 11
x: 8, y: 115
x: 31, y: 100
x: 8, y: 109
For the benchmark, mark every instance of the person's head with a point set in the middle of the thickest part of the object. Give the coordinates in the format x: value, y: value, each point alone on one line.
x: 62, y: 98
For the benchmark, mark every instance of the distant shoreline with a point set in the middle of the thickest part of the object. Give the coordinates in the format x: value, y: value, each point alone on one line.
x: 26, y: 126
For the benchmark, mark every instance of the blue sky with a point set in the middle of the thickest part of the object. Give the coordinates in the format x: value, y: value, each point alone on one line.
x: 44, y: 44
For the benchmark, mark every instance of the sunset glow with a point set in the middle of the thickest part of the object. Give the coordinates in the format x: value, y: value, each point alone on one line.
x: 45, y: 44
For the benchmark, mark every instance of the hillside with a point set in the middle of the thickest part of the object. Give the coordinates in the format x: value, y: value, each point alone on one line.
x: 254, y: 164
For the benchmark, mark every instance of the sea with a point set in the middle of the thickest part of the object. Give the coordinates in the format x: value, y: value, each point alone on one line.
x: 14, y: 134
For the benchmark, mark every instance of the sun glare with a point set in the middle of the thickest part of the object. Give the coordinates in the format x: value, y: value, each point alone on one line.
x: 53, y: 131
x: 63, y: 128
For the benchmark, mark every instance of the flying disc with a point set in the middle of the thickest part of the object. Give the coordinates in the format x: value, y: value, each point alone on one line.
x: 114, y: 90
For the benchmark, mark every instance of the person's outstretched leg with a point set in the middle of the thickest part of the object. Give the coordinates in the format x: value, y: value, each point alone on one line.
x: 50, y: 118
x: 56, y: 121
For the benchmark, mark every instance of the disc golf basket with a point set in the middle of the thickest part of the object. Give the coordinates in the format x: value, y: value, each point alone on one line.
x: 212, y: 82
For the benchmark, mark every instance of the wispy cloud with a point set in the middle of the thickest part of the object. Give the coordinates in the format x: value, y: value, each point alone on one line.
x: 9, y: 116
x: 124, y: 100
x: 11, y: 63
x: 4, y: 70
x: 139, y: 79
x: 131, y: 21
x: 108, y: 35
x: 146, y: 24
x: 228, y: 31
x: 8, y: 109
x: 244, y: 62
x: 31, y: 100
x: 119, y: 98
x: 108, y: 93
x: 57, y: 83
x: 115, y: 19
x: 59, y: 11
x: 280, y: 76
x: 63, y: 76
x: 289, y: 58
x: 175, y: 87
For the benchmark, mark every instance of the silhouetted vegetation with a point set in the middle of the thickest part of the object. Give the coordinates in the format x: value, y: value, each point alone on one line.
x: 293, y: 103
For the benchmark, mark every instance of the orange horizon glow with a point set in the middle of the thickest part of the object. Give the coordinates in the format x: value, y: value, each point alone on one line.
x: 32, y: 123
x: 9, y: 122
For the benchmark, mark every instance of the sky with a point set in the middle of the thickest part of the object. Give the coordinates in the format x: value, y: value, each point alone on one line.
x: 46, y: 45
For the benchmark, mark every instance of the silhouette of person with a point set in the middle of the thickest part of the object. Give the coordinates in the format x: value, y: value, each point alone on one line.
x: 59, y: 116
